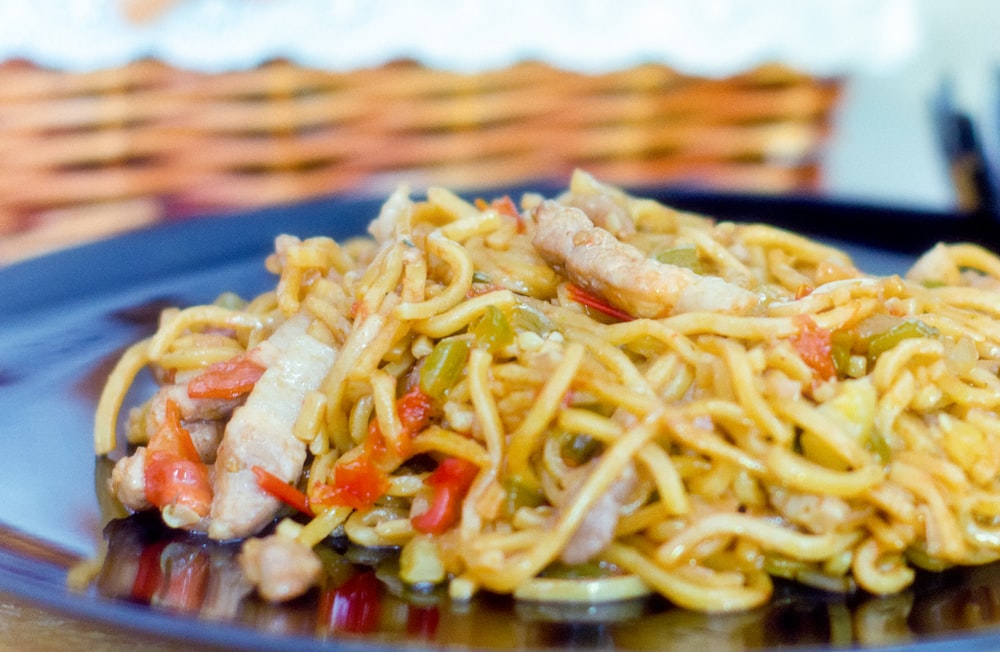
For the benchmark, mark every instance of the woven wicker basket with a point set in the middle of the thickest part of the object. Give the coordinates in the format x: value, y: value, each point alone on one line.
x: 86, y: 155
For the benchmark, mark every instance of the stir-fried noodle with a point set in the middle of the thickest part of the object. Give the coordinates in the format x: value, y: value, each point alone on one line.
x: 587, y: 398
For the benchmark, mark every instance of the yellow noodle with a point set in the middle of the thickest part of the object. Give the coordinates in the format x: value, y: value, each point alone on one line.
x: 686, y: 593
x: 610, y: 589
x: 113, y: 394
x: 844, y: 444
x: 197, y: 358
x: 749, y: 395
x: 310, y: 418
x: 524, y: 440
x: 485, y: 406
x: 668, y: 481
x: 750, y: 328
x: 808, y: 547
x: 461, y: 315
x: 797, y: 472
x: 461, y: 281
x: 384, y: 401
x: 450, y: 443
x: 323, y: 525
x: 198, y: 317
x: 800, y: 246
x: 875, y: 575
x: 471, y: 225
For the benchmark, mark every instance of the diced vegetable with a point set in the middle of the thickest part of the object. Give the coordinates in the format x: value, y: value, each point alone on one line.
x: 172, y: 480
x: 880, y: 447
x: 526, y: 318
x: 841, y: 348
x: 685, y: 255
x: 888, y: 339
x: 360, y: 480
x: 814, y: 346
x: 579, y: 449
x: 283, y: 491
x: 443, y: 366
x: 420, y: 562
x: 853, y: 409
x: 520, y: 495
x: 415, y: 409
x: 358, y: 483
x: 586, y: 570
x: 492, y: 331
x: 451, y: 481
x: 174, y: 472
x: 172, y: 437
x: 227, y: 379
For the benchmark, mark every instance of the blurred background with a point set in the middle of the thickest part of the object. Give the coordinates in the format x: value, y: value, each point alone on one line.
x: 117, y: 114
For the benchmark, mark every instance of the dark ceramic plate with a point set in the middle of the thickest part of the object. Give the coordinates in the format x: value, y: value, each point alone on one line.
x: 64, y: 318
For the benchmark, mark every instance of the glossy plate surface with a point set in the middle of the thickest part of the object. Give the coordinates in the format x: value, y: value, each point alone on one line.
x: 65, y: 318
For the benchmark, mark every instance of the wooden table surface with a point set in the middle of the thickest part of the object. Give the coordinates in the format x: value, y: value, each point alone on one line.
x: 27, y: 627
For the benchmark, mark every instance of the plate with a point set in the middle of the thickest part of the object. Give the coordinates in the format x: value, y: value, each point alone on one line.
x: 65, y: 318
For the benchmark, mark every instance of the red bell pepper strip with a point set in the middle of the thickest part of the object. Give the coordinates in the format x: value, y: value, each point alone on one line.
x: 451, y: 481
x: 170, y: 480
x: 359, y: 481
x: 226, y: 379
x: 578, y: 294
x: 415, y: 409
x: 357, y: 484
x: 815, y: 346
x: 286, y: 493
x: 172, y: 437
x: 174, y: 472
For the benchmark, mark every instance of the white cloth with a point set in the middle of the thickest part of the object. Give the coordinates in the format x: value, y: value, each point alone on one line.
x: 710, y: 37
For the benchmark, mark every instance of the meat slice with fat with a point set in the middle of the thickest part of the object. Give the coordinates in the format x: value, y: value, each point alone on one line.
x: 260, y: 431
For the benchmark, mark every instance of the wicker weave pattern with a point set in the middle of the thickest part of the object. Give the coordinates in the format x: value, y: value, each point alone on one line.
x: 84, y: 155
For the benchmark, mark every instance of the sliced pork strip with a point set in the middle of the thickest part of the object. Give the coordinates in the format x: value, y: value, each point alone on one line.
x: 260, y: 432
x: 594, y: 259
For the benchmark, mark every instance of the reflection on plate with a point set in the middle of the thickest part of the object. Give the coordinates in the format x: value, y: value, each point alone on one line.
x: 194, y: 577
x: 66, y: 317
